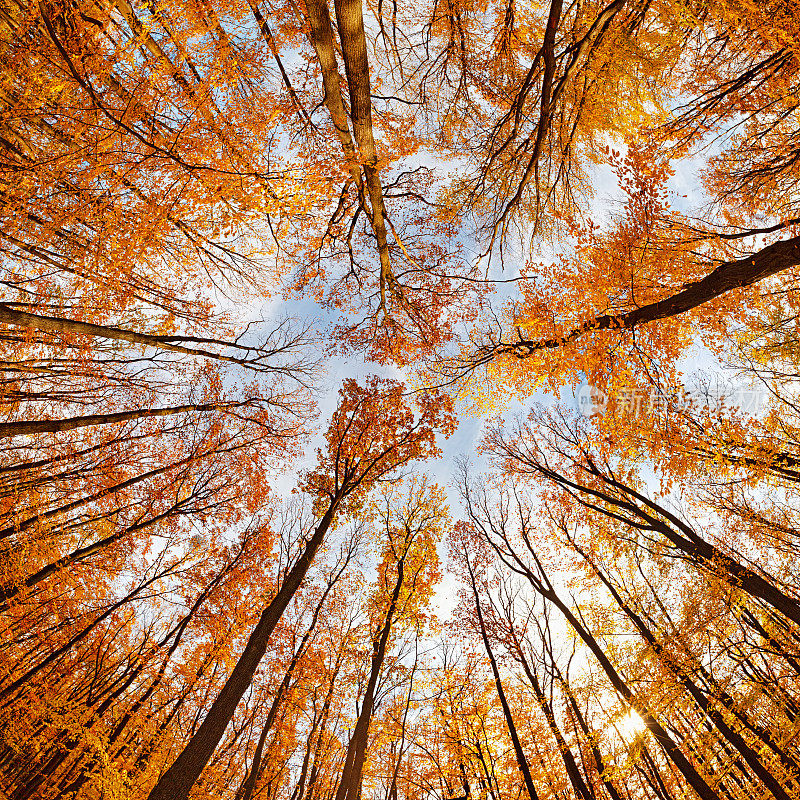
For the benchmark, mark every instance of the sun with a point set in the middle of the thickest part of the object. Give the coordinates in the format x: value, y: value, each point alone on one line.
x: 630, y: 725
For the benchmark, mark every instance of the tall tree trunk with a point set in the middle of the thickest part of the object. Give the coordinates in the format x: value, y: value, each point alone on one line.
x: 747, y: 753
x: 350, y: 783
x: 177, y: 343
x: 522, y: 761
x: 9, y: 592
x: 56, y: 654
x: 350, y: 18
x: 178, y: 780
x: 671, y: 749
x: 8, y: 429
x: 23, y: 525
x: 248, y: 786
x: 582, y: 790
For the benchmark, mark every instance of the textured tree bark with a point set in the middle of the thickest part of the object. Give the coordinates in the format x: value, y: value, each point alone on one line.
x: 350, y: 19
x: 248, y: 786
x: 177, y: 781
x: 322, y: 41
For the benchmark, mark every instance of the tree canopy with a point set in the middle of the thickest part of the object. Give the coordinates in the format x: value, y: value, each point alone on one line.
x: 260, y: 260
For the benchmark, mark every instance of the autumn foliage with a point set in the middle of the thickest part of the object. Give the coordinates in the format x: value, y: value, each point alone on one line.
x: 399, y: 401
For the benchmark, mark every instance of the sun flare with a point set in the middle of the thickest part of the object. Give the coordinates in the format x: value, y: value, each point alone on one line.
x: 630, y: 725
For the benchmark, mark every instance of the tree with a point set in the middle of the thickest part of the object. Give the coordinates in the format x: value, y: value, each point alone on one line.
x: 373, y: 433
x: 501, y: 198
x: 412, y: 526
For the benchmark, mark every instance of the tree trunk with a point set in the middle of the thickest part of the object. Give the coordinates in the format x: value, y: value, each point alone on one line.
x: 669, y: 746
x: 178, y: 780
x: 8, y: 429
x: 350, y: 19
x: 708, y: 708
x: 522, y: 761
x: 126, y: 484
x: 580, y: 786
x: 24, y: 319
x: 350, y: 783
x: 246, y: 790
